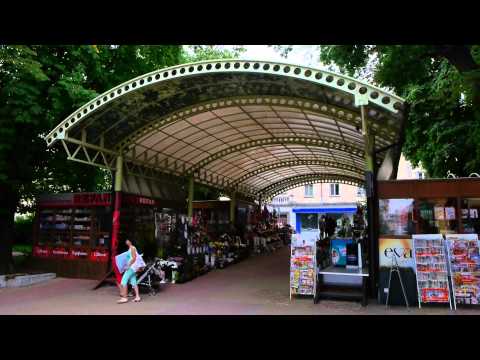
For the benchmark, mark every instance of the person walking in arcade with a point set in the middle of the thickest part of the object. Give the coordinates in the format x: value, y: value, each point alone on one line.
x: 129, y: 276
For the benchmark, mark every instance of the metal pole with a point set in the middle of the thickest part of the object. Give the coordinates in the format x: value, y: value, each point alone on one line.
x: 370, y: 179
x: 190, y: 196
x: 118, y: 205
x: 233, y: 205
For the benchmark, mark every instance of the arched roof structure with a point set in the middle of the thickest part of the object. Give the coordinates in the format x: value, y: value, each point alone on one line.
x: 254, y: 126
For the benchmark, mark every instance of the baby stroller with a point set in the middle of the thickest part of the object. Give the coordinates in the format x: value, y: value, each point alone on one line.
x: 151, y: 276
x: 154, y: 274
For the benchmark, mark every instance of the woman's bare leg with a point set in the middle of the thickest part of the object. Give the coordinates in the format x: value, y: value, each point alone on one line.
x: 137, y: 293
x: 123, y: 291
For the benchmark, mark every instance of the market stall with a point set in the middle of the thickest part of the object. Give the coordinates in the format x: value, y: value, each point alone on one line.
x: 223, y: 241
x: 72, y: 234
x: 443, y: 208
x: 341, y: 258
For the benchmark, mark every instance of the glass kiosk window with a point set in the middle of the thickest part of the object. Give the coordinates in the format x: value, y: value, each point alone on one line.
x: 470, y: 215
x: 309, y: 222
x: 437, y: 216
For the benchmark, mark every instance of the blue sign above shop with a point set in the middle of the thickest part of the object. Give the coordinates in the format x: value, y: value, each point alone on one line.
x: 325, y: 210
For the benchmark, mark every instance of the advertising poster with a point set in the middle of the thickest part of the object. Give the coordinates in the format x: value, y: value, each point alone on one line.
x: 338, y: 251
x: 402, y: 251
x: 450, y: 213
x: 464, y: 257
x: 439, y: 212
x: 396, y: 216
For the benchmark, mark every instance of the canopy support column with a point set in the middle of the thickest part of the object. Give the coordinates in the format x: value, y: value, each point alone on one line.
x: 117, y: 205
x: 233, y: 205
x: 372, y: 202
x: 191, y: 191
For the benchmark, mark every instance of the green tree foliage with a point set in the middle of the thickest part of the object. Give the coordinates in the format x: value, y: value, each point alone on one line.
x: 211, y: 52
x: 40, y: 86
x: 441, y: 83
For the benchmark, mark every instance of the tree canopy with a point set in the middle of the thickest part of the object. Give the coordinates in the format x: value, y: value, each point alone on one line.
x: 40, y: 86
x: 441, y: 85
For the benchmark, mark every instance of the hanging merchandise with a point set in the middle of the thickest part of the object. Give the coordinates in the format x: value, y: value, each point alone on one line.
x: 464, y: 260
x: 431, y: 269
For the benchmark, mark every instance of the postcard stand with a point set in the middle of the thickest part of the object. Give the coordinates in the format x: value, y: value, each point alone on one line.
x: 302, y: 268
x: 429, y: 254
x: 464, y: 262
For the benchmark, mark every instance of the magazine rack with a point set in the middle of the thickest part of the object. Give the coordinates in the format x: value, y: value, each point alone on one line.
x: 464, y: 261
x: 302, y: 269
x: 430, y: 258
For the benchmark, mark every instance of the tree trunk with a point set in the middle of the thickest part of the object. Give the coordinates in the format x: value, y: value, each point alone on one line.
x: 8, y: 203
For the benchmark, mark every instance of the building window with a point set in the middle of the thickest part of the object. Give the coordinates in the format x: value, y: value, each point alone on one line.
x: 420, y: 175
x: 309, y: 190
x: 334, y: 189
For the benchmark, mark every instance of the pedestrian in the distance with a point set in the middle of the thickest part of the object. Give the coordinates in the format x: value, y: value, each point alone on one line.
x: 129, y: 276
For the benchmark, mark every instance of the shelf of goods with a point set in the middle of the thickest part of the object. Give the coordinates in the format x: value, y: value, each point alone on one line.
x: 69, y: 243
x: 431, y: 269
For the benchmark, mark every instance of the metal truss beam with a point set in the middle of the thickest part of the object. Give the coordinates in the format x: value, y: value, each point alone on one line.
x: 324, y: 142
x: 294, y: 181
x: 327, y: 79
x: 296, y: 162
x: 85, y: 153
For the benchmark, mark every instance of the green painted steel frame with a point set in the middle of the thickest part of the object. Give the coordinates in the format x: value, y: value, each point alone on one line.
x: 294, y: 181
x: 291, y: 163
x: 96, y: 154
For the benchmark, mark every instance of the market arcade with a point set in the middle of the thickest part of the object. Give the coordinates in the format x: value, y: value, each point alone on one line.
x: 249, y: 128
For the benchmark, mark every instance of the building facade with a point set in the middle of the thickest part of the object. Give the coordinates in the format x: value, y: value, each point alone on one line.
x: 303, y: 206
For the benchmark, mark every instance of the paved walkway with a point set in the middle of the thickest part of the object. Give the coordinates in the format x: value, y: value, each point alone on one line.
x: 258, y: 285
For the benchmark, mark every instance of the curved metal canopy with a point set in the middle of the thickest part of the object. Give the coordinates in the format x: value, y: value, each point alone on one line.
x: 234, y: 124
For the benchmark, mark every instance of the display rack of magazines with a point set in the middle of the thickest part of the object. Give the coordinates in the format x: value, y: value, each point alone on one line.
x: 431, y: 268
x: 464, y: 260
x: 302, y: 267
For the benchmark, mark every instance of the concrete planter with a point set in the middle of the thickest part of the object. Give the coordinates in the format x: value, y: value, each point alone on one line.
x: 20, y: 280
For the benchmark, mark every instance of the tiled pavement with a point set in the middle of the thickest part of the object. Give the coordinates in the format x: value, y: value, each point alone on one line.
x: 258, y: 285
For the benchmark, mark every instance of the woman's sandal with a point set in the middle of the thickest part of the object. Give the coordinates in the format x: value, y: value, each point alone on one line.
x: 122, y: 301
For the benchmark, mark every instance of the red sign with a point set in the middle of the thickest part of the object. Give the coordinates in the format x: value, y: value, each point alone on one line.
x: 99, y: 255
x: 41, y: 251
x: 61, y: 252
x: 138, y: 200
x: 92, y: 199
x: 78, y: 254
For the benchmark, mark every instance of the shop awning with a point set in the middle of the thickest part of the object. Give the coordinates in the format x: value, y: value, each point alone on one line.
x: 254, y: 127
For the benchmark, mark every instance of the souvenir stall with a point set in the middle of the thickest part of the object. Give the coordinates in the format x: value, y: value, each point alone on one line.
x: 221, y: 241
x: 341, y: 258
x: 266, y: 235
x: 72, y: 233
x: 430, y: 228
